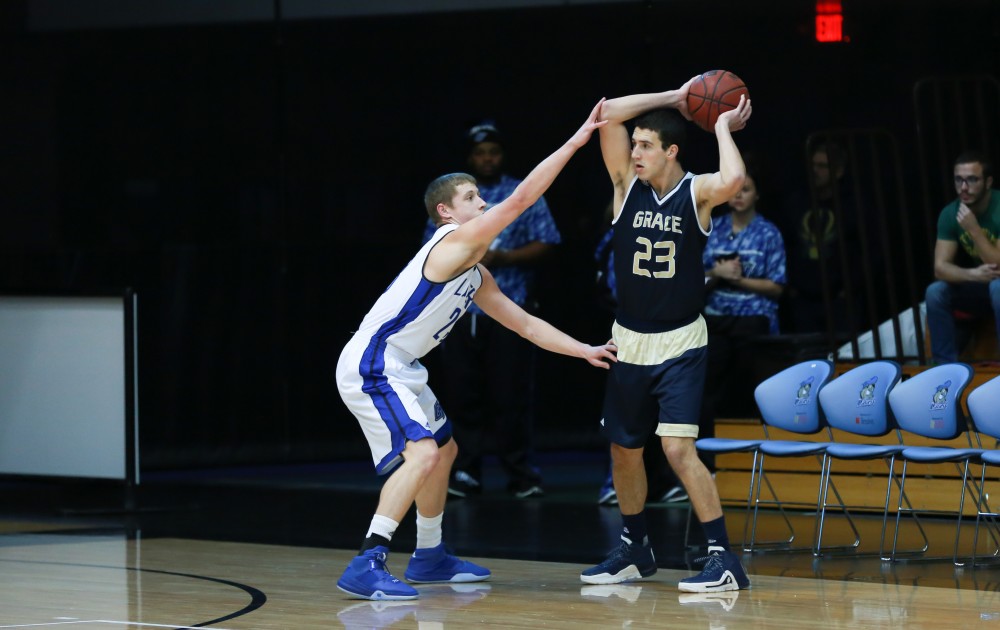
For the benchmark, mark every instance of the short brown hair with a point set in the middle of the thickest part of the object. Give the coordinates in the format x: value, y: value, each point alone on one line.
x: 441, y: 190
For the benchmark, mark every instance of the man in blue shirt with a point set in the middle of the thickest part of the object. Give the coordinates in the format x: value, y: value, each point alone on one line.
x: 489, y: 385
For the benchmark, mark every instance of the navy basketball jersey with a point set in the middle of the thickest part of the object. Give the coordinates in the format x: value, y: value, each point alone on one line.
x: 658, y: 245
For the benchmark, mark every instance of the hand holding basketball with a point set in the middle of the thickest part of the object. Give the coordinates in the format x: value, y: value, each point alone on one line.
x: 714, y: 93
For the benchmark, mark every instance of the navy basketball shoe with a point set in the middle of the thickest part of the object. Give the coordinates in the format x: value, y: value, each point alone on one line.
x: 629, y: 561
x: 723, y: 572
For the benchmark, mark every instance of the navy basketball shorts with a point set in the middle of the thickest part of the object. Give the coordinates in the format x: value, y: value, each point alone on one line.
x: 656, y: 385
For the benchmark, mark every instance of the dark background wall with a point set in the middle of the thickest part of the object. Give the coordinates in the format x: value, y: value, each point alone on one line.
x: 258, y: 181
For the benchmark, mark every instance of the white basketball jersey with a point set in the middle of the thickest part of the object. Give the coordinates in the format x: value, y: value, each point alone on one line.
x: 414, y: 314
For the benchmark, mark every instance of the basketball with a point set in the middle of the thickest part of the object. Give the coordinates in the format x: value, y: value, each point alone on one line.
x: 713, y: 93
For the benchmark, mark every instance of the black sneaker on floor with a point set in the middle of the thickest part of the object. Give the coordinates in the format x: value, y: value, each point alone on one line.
x: 463, y: 484
x: 529, y: 492
x: 525, y: 489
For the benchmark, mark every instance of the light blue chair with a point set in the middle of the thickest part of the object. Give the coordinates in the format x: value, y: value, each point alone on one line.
x: 984, y: 408
x: 857, y: 402
x: 813, y: 424
x: 788, y: 398
x: 929, y: 404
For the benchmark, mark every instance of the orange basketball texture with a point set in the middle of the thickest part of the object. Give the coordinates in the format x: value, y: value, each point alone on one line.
x: 713, y: 93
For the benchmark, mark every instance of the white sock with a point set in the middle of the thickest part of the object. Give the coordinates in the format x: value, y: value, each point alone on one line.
x: 429, y: 530
x: 383, y: 526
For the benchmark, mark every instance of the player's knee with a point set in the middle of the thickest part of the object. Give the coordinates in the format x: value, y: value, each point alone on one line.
x: 679, y: 450
x: 626, y: 456
x: 423, y: 455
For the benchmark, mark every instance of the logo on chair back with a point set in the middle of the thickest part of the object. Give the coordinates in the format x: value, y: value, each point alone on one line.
x: 866, y: 397
x: 802, y: 393
x: 940, y: 398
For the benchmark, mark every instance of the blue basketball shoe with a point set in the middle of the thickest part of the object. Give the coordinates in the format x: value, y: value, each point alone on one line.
x: 437, y: 565
x: 607, y: 495
x: 629, y: 561
x: 367, y: 577
x: 723, y: 572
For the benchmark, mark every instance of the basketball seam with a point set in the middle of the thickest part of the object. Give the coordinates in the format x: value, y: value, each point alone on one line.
x: 711, y: 99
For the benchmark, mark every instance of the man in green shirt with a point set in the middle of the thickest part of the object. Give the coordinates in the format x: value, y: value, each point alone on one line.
x: 966, y: 256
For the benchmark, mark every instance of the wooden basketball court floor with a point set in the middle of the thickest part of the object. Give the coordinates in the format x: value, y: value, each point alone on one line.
x: 262, y: 548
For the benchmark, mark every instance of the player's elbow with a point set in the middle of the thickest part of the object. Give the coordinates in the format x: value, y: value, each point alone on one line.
x: 733, y: 182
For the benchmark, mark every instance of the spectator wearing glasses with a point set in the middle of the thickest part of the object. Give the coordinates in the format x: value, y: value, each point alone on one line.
x: 966, y: 256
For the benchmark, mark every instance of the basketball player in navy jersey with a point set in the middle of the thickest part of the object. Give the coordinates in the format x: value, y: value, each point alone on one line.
x: 662, y: 217
x: 381, y: 380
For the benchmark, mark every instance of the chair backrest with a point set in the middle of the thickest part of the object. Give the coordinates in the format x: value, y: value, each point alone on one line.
x: 930, y: 403
x: 789, y: 399
x: 984, y: 407
x: 857, y: 400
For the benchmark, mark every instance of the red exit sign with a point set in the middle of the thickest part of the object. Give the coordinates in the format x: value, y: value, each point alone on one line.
x: 829, y: 22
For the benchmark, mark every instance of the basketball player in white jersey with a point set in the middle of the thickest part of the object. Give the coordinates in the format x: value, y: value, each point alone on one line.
x: 662, y: 217
x: 381, y: 380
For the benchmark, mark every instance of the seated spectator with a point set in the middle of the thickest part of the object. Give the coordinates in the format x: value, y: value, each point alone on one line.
x: 966, y: 256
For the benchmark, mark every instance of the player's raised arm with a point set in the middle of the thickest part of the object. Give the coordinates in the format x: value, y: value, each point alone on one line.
x: 719, y: 187
x: 616, y: 145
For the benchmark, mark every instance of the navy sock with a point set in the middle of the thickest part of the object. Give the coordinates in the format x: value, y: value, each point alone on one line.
x: 635, y: 528
x: 716, y: 534
x: 373, y: 541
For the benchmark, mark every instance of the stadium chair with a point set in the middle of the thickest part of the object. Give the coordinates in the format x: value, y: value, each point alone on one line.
x: 856, y: 402
x: 984, y: 408
x: 797, y: 423
x: 789, y: 398
x: 929, y: 404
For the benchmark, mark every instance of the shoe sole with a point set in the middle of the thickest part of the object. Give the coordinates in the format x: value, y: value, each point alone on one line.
x: 631, y: 572
x: 727, y: 583
x: 378, y: 595
x: 459, y: 578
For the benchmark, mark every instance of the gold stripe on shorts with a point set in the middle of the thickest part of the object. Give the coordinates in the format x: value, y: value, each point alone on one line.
x: 677, y: 430
x: 655, y: 348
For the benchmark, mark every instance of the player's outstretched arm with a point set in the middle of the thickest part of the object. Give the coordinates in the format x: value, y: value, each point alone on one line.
x: 538, y: 180
x: 539, y: 332
x: 466, y: 246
